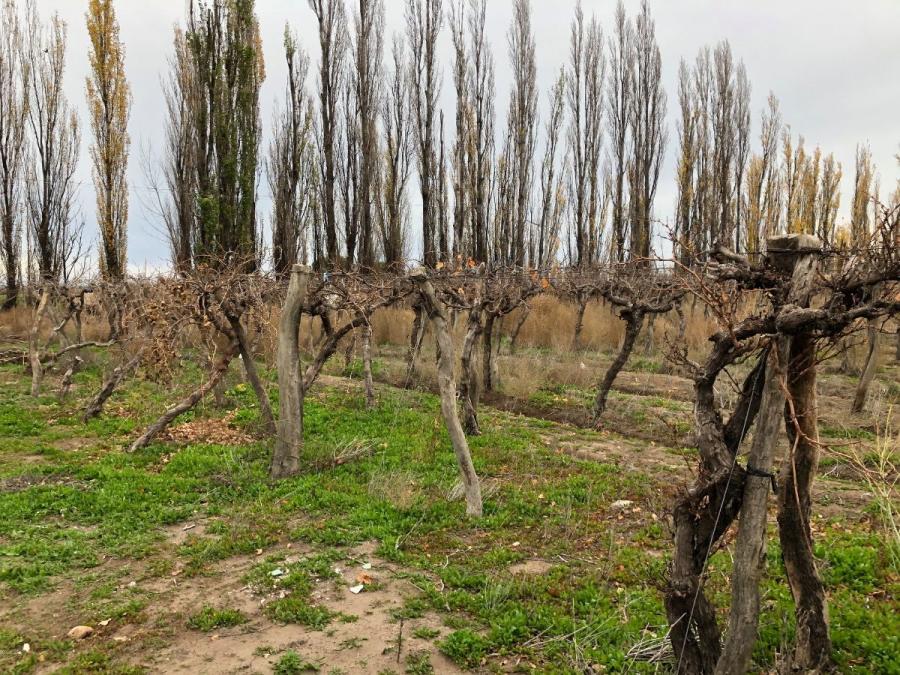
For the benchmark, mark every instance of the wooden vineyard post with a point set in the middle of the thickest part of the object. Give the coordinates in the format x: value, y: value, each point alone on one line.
x: 289, y: 437
x: 798, y: 255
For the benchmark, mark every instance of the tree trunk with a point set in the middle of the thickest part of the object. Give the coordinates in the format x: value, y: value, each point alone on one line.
x: 438, y: 316
x: 190, y: 401
x: 95, y: 407
x: 897, y: 352
x: 523, y: 317
x: 468, y: 382
x: 633, y: 321
x: 868, y: 373
x: 579, y: 323
x: 367, y: 366
x: 812, y: 646
x: 648, y: 344
x: 415, y: 343
x: 488, y: 366
x: 34, y: 351
x: 66, y: 384
x: 265, y: 407
x: 289, y: 439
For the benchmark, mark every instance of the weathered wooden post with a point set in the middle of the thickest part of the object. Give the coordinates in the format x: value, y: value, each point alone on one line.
x: 797, y: 255
x: 289, y: 439
x: 438, y: 316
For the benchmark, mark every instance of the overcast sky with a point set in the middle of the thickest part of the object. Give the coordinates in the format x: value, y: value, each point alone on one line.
x: 834, y: 65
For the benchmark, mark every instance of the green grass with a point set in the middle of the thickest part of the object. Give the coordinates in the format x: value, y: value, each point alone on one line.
x: 210, y: 618
x: 78, y: 501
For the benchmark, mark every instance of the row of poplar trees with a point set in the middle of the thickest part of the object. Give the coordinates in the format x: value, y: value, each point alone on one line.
x: 40, y: 138
x: 354, y: 127
x: 576, y: 184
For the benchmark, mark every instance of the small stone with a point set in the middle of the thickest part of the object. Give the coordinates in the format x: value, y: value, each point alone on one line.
x: 80, y: 632
x: 621, y: 504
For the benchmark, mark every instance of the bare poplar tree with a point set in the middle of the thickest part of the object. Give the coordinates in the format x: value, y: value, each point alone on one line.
x: 545, y: 242
x: 369, y: 20
x: 109, y: 106
x: 522, y: 128
x: 333, y: 44
x: 646, y: 122
x: 618, y: 93
x: 862, y: 195
x: 585, y: 102
x: 761, y: 179
x: 480, y: 131
x: 423, y: 25
x: 462, y: 245
x: 291, y: 166
x: 176, y: 197
x: 398, y: 159
x: 13, y: 123
x: 828, y: 200
x: 55, y: 141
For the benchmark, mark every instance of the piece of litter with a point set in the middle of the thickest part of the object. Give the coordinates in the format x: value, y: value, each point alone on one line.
x: 105, y: 622
x: 515, y: 543
x: 364, y: 578
x: 120, y: 638
x: 357, y: 589
x: 26, y: 648
x: 367, y: 566
x: 80, y: 632
x: 621, y: 504
x: 277, y: 573
x: 259, y: 551
x: 132, y: 584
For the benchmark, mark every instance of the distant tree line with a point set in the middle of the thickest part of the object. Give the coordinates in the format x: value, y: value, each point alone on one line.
x: 572, y: 182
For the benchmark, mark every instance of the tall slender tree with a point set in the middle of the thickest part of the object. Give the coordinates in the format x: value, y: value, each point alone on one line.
x: 646, y: 122
x: 176, y: 198
x: 291, y: 166
x: 369, y: 20
x: 109, y: 106
x: 398, y: 158
x: 55, y: 142
x: 226, y: 54
x: 480, y: 143
x: 13, y: 126
x: 424, y: 19
x: 618, y: 104
x: 585, y: 80
x: 333, y: 45
x: 522, y: 128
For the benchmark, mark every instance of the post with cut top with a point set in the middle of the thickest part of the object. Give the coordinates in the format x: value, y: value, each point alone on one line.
x: 796, y: 256
x: 289, y: 440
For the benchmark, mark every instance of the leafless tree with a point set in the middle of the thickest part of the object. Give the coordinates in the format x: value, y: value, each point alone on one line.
x: 423, y: 25
x: 333, y: 40
x: 646, y: 123
x: 762, y: 179
x: 522, y: 130
x: 14, y: 86
x: 618, y: 92
x: 480, y: 145
x: 291, y: 165
x: 369, y: 24
x: 585, y: 81
x: 175, y: 197
x: 55, y: 141
x: 545, y: 239
x: 398, y: 159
